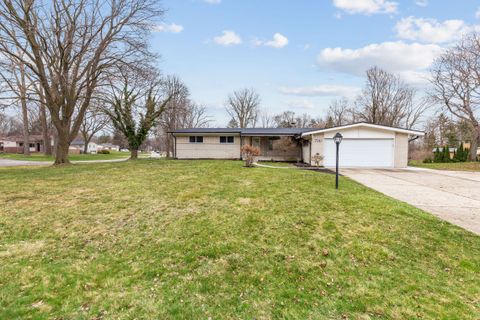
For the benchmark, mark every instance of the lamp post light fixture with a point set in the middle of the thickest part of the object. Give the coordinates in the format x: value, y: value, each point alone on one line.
x: 338, y: 139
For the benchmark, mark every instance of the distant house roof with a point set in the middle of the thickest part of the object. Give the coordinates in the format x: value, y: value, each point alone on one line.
x: 77, y: 143
x: 245, y: 131
x: 110, y: 145
x: 32, y: 138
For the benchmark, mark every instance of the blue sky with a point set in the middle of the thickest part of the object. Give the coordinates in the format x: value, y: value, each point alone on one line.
x: 299, y: 55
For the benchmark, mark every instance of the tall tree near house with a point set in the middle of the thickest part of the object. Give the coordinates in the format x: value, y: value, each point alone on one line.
x: 455, y: 80
x: 286, y: 119
x: 70, y: 45
x: 93, y: 122
x: 387, y: 100
x: 232, y: 124
x: 340, y: 113
x: 195, y: 116
x: 45, y: 121
x: 266, y: 120
x: 243, y: 107
x: 181, y: 112
x: 22, y: 92
x: 134, y: 110
x: 174, y: 110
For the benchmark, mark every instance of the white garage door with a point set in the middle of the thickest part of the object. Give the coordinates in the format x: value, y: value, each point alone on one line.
x: 360, y: 153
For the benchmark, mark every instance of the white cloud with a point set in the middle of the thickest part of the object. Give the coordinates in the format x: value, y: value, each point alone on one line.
x: 213, y: 1
x: 421, y: 3
x: 300, y: 104
x: 278, y: 41
x: 228, y: 38
x: 367, y: 7
x: 321, y: 91
x: 163, y: 27
x: 431, y: 30
x: 477, y: 13
x: 407, y: 60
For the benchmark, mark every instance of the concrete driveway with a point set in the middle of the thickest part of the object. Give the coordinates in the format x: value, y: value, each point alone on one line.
x: 450, y: 195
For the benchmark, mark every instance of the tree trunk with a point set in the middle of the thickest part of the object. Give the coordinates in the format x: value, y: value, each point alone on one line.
x: 168, y: 143
x: 85, y: 144
x: 23, y: 102
x: 26, y: 137
x: 133, y: 154
x: 47, y: 143
x: 474, y: 144
x: 61, y: 152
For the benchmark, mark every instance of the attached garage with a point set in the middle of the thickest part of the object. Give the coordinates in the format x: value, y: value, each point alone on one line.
x: 364, y: 145
x: 374, y: 153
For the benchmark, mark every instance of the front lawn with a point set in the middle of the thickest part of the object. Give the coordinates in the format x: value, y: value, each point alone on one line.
x: 158, y: 239
x: 74, y: 157
x: 454, y: 166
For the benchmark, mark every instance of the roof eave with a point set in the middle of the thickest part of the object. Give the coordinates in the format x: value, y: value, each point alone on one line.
x: 370, y: 125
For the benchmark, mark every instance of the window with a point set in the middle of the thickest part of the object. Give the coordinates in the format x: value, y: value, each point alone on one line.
x: 196, y: 139
x: 271, y: 141
x: 227, y: 139
x: 256, y: 142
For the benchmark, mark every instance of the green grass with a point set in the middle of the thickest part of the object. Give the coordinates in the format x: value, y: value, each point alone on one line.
x: 158, y: 239
x: 74, y: 157
x: 454, y: 166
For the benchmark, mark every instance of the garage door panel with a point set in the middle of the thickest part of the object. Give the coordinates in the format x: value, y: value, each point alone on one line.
x: 360, y: 153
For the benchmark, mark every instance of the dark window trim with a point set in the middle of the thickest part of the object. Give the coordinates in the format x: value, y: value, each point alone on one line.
x: 226, y: 139
x: 197, y: 139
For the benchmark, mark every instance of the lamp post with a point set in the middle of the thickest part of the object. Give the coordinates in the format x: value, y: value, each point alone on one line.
x: 338, y: 139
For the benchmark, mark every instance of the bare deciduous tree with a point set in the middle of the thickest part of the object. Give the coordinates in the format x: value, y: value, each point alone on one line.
x: 174, y: 110
x: 137, y: 105
x: 266, y: 120
x: 387, y: 100
x: 195, y: 116
x: 45, y: 121
x: 69, y: 46
x: 180, y: 112
x: 288, y: 119
x: 340, y: 113
x: 456, y: 84
x: 243, y: 107
x: 93, y: 122
x: 13, y: 74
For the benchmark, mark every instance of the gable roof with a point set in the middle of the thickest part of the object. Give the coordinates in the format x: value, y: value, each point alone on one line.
x: 368, y: 125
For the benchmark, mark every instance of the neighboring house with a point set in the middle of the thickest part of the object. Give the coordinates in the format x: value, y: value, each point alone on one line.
x: 78, y: 146
x: 14, y: 144
x: 363, y: 145
x: 108, y: 146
